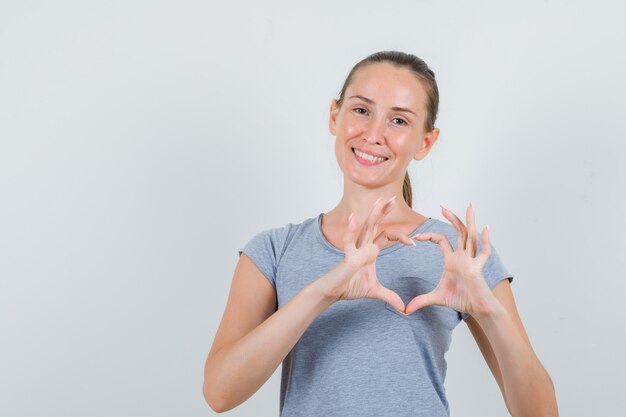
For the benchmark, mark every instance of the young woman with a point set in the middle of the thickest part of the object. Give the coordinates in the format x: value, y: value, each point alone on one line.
x: 359, y: 303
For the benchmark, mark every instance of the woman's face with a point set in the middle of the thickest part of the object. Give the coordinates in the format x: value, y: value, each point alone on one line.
x: 384, y: 114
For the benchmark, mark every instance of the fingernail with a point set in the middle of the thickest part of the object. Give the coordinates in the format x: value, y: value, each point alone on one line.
x: 377, y: 200
x: 392, y: 198
x: 413, y: 242
x: 350, y: 217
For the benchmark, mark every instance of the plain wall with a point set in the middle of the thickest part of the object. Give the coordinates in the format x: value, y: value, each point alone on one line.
x: 142, y: 143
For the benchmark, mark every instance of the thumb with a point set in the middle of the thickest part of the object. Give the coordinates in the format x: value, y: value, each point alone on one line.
x: 390, y: 298
x: 423, y: 300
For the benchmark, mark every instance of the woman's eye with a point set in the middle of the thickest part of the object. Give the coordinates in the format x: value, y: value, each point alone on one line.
x: 401, y: 121
x: 360, y: 108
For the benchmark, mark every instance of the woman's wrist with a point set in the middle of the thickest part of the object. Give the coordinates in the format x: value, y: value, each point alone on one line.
x: 329, y: 285
x: 489, y: 310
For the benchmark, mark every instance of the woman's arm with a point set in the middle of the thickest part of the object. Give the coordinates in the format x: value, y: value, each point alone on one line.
x: 526, y: 387
x: 253, y: 339
x: 245, y: 353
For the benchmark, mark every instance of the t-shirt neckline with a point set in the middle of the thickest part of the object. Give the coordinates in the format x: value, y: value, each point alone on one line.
x: 425, y: 225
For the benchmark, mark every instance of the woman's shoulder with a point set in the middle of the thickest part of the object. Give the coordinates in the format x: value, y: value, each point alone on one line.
x: 279, y: 235
x: 441, y: 227
x: 449, y: 231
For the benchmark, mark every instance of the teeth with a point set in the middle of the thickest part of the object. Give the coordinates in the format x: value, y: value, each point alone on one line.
x: 369, y: 157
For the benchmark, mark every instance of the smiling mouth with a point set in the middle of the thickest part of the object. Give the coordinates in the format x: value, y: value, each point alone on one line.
x: 366, y: 159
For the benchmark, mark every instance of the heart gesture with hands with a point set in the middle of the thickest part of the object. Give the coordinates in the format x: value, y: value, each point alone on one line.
x: 362, y: 244
x: 462, y: 286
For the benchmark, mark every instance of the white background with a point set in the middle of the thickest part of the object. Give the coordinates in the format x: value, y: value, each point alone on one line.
x: 142, y: 143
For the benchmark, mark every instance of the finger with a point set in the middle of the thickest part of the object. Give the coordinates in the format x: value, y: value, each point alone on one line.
x: 366, y: 231
x: 421, y: 301
x: 379, y: 211
x: 485, y: 251
x: 472, y: 240
x: 390, y: 298
x: 458, y: 225
x: 366, y: 224
x: 441, y: 240
x: 392, y: 236
x: 389, y: 205
x: 349, y: 239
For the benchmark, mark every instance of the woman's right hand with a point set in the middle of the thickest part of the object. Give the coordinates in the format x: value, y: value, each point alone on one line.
x: 356, y: 274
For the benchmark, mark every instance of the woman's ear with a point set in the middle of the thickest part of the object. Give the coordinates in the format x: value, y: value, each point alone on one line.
x: 333, y: 117
x: 427, y: 144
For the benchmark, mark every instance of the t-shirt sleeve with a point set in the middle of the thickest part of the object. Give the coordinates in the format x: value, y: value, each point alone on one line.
x: 265, y: 249
x: 494, y: 271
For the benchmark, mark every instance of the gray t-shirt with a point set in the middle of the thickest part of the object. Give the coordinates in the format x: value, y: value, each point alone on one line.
x: 362, y: 357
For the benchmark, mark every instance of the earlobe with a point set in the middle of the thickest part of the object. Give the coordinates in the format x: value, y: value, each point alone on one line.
x: 332, y: 117
x: 435, y: 134
x: 427, y: 144
x: 422, y: 151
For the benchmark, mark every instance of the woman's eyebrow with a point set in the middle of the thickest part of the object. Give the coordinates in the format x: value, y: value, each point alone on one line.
x: 370, y: 101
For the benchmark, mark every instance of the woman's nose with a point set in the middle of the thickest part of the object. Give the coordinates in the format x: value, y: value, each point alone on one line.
x: 375, y: 131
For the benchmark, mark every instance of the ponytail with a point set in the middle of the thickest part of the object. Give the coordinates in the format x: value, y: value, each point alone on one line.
x: 407, y: 190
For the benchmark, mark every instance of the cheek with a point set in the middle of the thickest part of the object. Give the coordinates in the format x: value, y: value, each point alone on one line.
x: 404, y: 140
x: 403, y: 145
x: 350, y: 127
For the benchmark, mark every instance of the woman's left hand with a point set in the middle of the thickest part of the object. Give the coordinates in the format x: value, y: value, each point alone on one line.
x: 462, y: 285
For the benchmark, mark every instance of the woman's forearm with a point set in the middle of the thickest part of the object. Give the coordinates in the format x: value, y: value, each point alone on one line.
x: 528, y: 388
x: 238, y: 370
